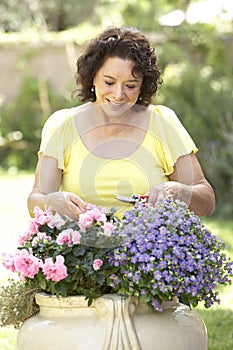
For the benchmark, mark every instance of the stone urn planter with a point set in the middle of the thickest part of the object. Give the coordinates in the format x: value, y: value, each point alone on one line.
x: 112, y: 322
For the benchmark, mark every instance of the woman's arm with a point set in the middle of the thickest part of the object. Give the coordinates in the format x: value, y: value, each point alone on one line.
x: 45, y: 192
x: 188, y: 184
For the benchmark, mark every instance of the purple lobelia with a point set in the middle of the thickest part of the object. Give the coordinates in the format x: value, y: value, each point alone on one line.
x: 168, y: 252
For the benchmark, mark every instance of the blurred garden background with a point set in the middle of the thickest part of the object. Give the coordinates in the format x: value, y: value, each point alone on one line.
x: 40, y: 41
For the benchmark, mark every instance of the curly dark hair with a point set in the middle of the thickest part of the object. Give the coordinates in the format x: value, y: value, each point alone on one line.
x: 126, y: 43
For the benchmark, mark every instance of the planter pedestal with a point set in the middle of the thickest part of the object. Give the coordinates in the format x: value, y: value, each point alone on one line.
x: 112, y: 322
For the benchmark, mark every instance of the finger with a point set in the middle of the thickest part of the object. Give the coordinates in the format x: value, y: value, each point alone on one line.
x: 77, y: 201
x: 153, y: 195
x: 172, y: 190
x: 161, y: 195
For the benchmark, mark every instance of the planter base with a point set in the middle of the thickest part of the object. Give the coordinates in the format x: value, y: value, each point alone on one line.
x: 111, y: 323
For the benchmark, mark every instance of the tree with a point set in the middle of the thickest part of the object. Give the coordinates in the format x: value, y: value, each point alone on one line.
x: 53, y: 15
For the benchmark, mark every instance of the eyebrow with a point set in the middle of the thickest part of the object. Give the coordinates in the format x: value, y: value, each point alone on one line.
x: 129, y: 81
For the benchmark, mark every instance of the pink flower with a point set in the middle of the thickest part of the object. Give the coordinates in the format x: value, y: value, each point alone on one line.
x: 64, y: 237
x: 33, y: 226
x: 68, y: 236
x: 44, y: 217
x: 55, y: 271
x: 97, y: 263
x: 24, y: 237
x: 108, y: 228
x: 76, y: 237
x: 26, y: 264
x: 87, y: 219
x: 41, y: 236
x: 31, y: 231
x: 8, y: 262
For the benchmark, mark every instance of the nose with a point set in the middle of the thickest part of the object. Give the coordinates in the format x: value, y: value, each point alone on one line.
x: 119, y: 92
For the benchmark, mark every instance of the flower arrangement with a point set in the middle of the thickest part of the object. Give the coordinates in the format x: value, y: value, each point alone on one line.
x: 64, y: 257
x: 155, y: 253
x: 168, y: 253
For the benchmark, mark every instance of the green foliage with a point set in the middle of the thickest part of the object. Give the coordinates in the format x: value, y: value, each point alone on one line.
x: 16, y: 303
x: 145, y: 14
x: 22, y: 120
x: 45, y: 15
x: 20, y: 125
x: 203, y: 102
x: 198, y: 86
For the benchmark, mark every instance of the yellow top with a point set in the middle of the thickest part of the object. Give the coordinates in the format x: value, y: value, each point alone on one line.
x: 97, y: 180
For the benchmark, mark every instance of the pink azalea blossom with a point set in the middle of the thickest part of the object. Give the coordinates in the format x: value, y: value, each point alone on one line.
x: 8, y: 262
x: 68, y: 236
x: 44, y: 217
x: 76, y: 237
x: 97, y: 263
x: 39, y: 237
x: 87, y: 219
x: 55, y: 271
x: 33, y: 226
x: 26, y: 264
x: 98, y: 214
x: 64, y: 237
x: 24, y: 237
x: 31, y: 231
x: 108, y: 228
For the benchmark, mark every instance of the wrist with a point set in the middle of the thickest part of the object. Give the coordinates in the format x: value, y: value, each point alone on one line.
x: 46, y: 202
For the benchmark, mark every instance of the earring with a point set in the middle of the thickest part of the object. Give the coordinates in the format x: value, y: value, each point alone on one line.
x: 140, y: 97
x: 93, y: 89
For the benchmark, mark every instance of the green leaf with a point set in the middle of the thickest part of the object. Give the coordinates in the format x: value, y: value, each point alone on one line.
x: 79, y: 251
x: 89, y: 302
x: 145, y: 298
x: 62, y: 288
x: 42, y: 283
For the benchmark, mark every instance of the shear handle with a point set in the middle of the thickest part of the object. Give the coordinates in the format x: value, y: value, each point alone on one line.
x: 132, y: 199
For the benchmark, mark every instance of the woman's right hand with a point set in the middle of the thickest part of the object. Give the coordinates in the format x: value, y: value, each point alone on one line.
x: 45, y: 192
x: 65, y: 203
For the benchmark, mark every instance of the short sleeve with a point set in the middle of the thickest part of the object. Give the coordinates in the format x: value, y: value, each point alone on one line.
x: 56, y: 136
x: 174, y: 140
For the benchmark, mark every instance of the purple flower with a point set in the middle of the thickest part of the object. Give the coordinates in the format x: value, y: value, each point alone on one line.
x: 157, y: 275
x: 169, y: 252
x: 156, y: 305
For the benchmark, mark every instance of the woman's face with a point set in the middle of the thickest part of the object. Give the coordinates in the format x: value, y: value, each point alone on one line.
x: 116, y: 89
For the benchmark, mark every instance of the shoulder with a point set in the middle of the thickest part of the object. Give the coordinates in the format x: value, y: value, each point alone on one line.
x: 58, y: 125
x: 165, y: 117
x: 163, y: 112
x: 62, y: 119
x: 57, y: 118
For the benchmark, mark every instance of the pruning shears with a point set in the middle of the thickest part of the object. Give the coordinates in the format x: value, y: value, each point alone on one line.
x: 132, y: 199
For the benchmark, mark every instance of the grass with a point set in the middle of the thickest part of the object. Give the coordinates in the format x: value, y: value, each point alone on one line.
x: 219, y: 319
x: 14, y: 216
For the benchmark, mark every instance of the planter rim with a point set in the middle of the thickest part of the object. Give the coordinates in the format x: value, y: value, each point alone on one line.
x: 80, y: 301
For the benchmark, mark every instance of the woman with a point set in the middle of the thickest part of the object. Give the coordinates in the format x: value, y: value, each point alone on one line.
x: 117, y: 142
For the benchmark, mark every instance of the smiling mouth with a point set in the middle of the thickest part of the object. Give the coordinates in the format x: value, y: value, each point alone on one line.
x: 115, y: 104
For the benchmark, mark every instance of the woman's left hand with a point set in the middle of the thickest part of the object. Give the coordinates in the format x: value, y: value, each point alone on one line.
x: 162, y: 191
x: 187, y: 183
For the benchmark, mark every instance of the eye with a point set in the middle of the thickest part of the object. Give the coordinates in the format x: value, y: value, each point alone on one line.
x: 109, y: 83
x: 131, y: 87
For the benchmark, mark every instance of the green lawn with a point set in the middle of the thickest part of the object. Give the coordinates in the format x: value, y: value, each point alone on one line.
x: 219, y: 319
x: 14, y: 216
